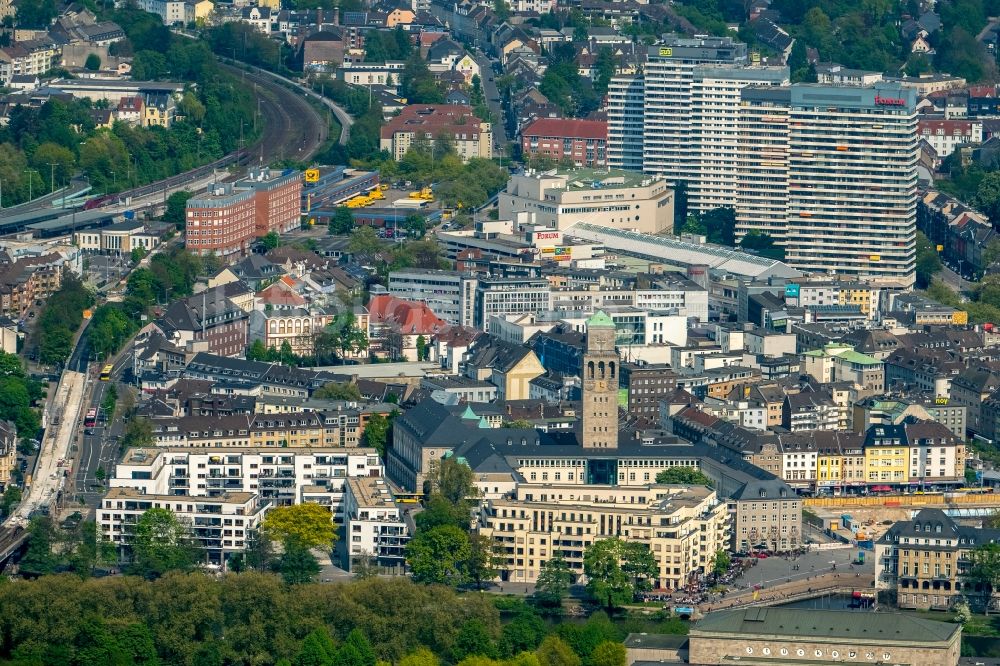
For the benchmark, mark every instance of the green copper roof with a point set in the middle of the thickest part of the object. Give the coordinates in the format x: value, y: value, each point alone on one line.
x: 600, y: 318
x: 468, y: 413
x: 483, y: 423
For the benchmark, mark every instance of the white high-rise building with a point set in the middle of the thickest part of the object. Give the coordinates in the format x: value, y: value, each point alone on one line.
x: 625, y: 122
x: 714, y: 130
x: 669, y: 74
x: 762, y: 163
x: 836, y: 168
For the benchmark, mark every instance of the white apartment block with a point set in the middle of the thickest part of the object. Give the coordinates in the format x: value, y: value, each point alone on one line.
x: 374, y: 526
x: 559, y: 199
x: 626, y: 110
x: 170, y: 11
x: 682, y: 526
x: 850, y: 189
x: 667, y: 113
x: 509, y: 296
x: 219, y: 524
x: 945, y: 136
x: 280, y: 477
x: 444, y: 292
x: 715, y: 115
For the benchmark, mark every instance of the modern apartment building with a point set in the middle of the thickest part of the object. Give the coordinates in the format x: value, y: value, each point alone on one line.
x: 450, y: 294
x: 374, y: 525
x: 340, y: 428
x: 852, y: 187
x: 608, y: 198
x: 502, y: 296
x: 280, y: 477
x: 219, y: 524
x: 682, y: 526
x: 715, y: 133
x: 626, y: 112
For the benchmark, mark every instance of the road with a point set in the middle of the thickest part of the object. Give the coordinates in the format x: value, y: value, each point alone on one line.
x: 97, y: 447
x: 492, y: 100
x: 954, y: 280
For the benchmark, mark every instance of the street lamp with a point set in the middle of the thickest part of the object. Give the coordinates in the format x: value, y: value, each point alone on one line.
x: 30, y: 173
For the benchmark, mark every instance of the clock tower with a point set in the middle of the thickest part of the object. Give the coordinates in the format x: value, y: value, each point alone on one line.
x: 599, y: 421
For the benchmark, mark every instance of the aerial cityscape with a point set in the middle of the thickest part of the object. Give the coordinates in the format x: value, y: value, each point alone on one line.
x: 499, y: 332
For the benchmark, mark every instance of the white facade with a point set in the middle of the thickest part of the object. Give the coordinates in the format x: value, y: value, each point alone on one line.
x: 282, y: 477
x: 443, y: 291
x: 849, y: 156
x: 798, y: 466
x: 219, y: 524
x: 626, y: 100
x: 374, y: 526
x: 170, y: 11
x: 715, y: 114
x: 929, y: 461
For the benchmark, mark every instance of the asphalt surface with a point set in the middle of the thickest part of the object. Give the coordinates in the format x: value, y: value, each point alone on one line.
x: 99, y: 448
x: 779, y: 570
x: 492, y: 93
x: 954, y: 280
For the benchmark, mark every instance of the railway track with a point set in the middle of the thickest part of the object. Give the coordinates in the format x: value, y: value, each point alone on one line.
x: 293, y: 129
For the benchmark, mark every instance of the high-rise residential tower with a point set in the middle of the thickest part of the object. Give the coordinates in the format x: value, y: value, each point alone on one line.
x: 831, y: 173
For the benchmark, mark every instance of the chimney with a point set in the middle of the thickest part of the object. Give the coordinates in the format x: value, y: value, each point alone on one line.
x: 336, y: 15
x: 319, y: 18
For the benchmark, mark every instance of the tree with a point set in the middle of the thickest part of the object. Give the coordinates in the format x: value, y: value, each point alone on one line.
x: 162, y: 543
x: 308, y: 524
x: 483, y: 563
x: 38, y: 559
x: 297, y: 564
x: 11, y: 498
x: 554, y: 581
x: 928, y: 261
x: 342, y: 221
x: 421, y: 657
x: 421, y: 348
x: 455, y: 481
x: 174, y: 212
x: 555, y: 652
x: 137, y: 255
x: 616, y: 570
x: 988, y: 196
x: 438, y: 555
x: 687, y: 476
x: 720, y: 562
x: 364, y: 242
x: 270, y: 240
x: 519, y: 424
x: 93, y: 62
x: 138, y: 434
x: 984, y: 568
x: 337, y: 391
x: 318, y: 649
x: 608, y: 653
x: 376, y: 432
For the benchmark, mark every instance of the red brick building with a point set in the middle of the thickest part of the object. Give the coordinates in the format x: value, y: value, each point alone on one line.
x: 277, y: 197
x: 582, y: 141
x: 227, y: 218
x: 222, y: 221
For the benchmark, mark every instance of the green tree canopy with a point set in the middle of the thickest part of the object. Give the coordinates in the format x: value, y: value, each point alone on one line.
x: 162, y: 543
x: 308, y: 524
x: 617, y: 569
x: 688, y: 476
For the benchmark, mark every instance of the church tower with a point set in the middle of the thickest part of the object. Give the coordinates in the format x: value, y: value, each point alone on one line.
x: 599, y: 421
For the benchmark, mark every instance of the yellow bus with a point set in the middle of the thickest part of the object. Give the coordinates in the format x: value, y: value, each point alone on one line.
x: 106, y: 373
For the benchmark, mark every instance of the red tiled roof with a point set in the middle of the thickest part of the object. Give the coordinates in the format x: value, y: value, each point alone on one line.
x: 433, y: 119
x: 567, y: 129
x: 406, y: 316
